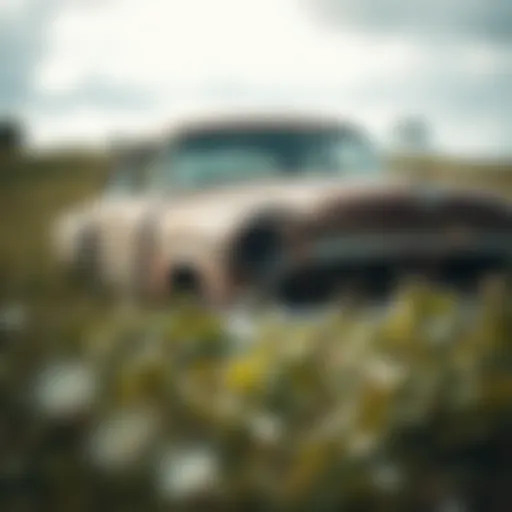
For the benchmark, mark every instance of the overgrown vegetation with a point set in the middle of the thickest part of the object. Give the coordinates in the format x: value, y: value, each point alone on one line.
x: 33, y: 190
x: 406, y: 408
x: 121, y: 409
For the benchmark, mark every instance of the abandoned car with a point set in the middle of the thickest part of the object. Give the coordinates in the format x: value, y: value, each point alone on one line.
x: 296, y: 207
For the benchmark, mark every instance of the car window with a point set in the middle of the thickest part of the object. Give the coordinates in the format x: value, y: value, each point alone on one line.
x: 347, y: 155
x: 211, y: 166
x: 220, y: 157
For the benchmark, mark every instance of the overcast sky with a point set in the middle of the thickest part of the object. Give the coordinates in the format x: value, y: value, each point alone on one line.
x: 89, y: 69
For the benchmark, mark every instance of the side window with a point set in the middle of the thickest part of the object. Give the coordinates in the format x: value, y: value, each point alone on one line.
x: 210, y: 166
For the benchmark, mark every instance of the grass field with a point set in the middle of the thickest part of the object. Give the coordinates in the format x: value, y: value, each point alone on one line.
x: 160, y: 372
x: 33, y: 190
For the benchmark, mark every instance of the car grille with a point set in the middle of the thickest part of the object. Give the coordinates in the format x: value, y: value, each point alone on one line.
x: 373, y: 277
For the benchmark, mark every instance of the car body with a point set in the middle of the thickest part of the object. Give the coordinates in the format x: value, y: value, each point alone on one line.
x: 298, y: 207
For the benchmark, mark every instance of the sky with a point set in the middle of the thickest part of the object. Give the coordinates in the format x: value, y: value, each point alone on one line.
x: 90, y: 70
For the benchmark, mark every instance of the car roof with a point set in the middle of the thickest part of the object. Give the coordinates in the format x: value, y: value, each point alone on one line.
x: 229, y: 120
x: 251, y: 120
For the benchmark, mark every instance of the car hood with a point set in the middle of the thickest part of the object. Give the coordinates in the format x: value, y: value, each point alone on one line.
x: 218, y: 212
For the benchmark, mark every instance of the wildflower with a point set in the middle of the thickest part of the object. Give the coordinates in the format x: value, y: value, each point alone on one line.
x: 64, y: 389
x: 187, y: 473
x: 266, y: 428
x: 248, y: 374
x: 242, y: 327
x: 386, y: 373
x: 122, y: 439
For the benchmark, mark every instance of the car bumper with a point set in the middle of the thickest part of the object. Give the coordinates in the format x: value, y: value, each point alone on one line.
x: 375, y: 264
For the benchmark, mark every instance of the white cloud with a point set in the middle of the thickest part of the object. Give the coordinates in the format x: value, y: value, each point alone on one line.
x: 10, y: 9
x: 87, y: 125
x: 183, y: 54
x: 455, y: 19
x: 484, y: 59
x: 469, y: 137
x: 158, y: 45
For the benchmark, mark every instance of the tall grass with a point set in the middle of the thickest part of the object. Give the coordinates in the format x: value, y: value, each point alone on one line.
x: 99, y: 406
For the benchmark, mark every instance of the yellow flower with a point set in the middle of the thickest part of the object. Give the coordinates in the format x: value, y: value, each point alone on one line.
x: 248, y: 374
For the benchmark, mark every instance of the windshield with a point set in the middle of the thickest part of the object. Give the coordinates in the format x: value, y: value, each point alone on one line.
x: 217, y: 158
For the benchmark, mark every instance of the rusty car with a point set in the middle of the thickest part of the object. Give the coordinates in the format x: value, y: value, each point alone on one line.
x: 296, y: 207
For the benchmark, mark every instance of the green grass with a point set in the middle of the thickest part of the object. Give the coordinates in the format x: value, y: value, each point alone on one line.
x: 33, y: 190
x: 493, y: 175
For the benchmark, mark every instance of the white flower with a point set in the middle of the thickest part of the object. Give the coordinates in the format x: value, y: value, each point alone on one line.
x: 66, y: 388
x: 266, y: 428
x: 122, y: 440
x: 187, y: 473
x: 388, y: 374
x: 242, y: 327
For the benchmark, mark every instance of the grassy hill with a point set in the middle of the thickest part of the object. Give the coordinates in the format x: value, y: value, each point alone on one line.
x: 492, y: 175
x: 32, y: 191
